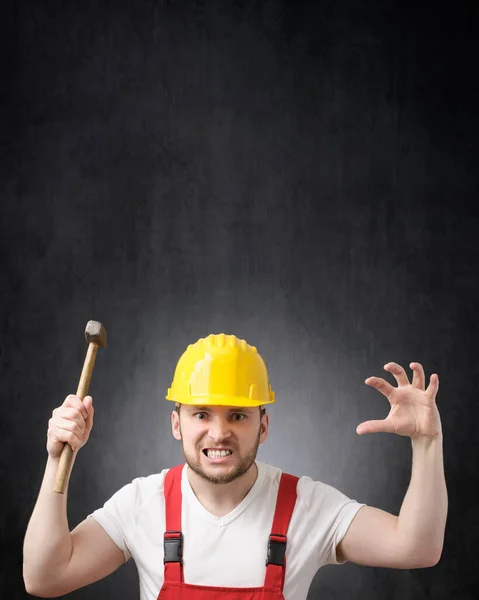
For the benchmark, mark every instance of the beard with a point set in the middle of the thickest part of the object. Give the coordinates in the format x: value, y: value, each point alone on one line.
x: 243, y: 465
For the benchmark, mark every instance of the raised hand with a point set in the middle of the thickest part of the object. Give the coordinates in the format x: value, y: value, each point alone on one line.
x: 413, y: 408
x: 71, y: 423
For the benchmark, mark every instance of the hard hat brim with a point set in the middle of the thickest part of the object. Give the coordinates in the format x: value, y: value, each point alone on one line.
x: 219, y: 400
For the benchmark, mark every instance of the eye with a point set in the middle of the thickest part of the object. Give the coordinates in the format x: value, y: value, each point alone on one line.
x: 240, y: 416
x: 200, y: 415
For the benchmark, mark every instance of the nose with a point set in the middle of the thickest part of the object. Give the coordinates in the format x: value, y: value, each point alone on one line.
x: 219, y: 429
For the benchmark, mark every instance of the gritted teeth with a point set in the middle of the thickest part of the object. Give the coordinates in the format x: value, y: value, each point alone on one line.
x: 211, y: 453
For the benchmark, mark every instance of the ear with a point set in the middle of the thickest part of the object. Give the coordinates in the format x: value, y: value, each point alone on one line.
x: 175, y: 425
x: 263, y: 432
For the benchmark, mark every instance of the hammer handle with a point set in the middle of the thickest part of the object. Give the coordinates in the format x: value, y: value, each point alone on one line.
x: 66, y: 457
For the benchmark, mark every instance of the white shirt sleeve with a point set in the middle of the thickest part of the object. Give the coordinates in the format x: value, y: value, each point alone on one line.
x: 118, y: 515
x: 329, y: 514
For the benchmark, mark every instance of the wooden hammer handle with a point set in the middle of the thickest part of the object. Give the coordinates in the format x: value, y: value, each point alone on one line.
x: 66, y: 457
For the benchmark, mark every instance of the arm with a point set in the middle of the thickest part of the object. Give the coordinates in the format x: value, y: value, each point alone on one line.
x: 47, y: 546
x: 422, y: 519
x: 56, y: 561
x: 415, y: 539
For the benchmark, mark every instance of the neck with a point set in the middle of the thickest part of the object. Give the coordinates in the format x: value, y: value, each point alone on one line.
x: 220, y: 499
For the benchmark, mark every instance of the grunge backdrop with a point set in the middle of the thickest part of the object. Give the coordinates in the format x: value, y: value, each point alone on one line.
x: 301, y: 174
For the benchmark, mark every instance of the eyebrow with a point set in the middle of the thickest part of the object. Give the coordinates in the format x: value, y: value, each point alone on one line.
x: 231, y: 410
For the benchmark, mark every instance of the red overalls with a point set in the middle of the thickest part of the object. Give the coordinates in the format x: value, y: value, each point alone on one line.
x: 174, y: 587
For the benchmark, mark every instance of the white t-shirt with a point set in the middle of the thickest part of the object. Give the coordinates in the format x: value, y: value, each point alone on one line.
x: 228, y: 551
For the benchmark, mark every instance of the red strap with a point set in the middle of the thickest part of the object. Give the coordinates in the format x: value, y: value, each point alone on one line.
x: 285, y: 503
x: 173, y: 501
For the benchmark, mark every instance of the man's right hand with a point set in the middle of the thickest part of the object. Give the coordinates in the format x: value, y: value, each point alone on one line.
x: 71, y: 423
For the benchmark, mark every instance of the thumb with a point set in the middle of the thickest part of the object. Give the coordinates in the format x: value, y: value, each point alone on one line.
x: 88, y: 404
x: 382, y: 426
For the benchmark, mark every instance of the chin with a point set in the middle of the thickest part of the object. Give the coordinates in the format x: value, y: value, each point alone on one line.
x: 218, y: 473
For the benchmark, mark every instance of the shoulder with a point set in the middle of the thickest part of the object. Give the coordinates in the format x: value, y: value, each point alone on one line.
x: 318, y: 491
x: 268, y: 474
x: 323, y: 513
x: 306, y: 486
x: 138, y: 493
x: 320, y: 498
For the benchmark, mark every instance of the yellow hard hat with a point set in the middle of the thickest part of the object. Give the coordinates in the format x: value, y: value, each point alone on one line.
x: 221, y: 370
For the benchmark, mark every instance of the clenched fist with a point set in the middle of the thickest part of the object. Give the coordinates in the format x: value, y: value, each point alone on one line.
x: 71, y: 423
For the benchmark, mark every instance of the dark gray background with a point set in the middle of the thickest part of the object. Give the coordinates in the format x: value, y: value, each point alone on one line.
x: 301, y: 174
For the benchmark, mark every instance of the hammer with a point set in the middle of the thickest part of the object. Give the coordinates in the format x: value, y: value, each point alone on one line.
x: 95, y: 335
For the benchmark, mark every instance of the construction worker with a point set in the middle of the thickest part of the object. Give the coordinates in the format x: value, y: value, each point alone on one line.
x: 225, y: 525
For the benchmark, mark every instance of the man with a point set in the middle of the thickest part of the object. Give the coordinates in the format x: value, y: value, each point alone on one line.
x: 225, y: 525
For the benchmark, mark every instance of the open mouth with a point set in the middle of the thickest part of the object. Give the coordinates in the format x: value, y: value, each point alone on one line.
x: 217, y: 455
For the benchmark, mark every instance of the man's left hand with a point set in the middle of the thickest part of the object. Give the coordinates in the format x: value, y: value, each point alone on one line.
x: 413, y: 409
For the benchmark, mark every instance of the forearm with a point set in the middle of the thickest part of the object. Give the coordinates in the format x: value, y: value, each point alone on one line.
x: 422, y: 518
x: 47, y: 545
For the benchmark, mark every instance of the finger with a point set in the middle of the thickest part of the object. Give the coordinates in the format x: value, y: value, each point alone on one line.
x: 398, y: 372
x: 383, y: 426
x: 418, y: 376
x: 65, y: 436
x: 69, y: 425
x: 69, y: 414
x: 88, y: 403
x: 75, y: 402
x: 381, y: 385
x: 433, y: 386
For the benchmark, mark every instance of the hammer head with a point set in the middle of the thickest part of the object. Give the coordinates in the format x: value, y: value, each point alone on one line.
x: 95, y: 333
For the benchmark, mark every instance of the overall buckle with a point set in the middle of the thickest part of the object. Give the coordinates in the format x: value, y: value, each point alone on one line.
x: 276, y: 549
x: 173, y: 547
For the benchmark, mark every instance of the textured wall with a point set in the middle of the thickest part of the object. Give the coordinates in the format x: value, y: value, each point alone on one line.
x: 301, y: 174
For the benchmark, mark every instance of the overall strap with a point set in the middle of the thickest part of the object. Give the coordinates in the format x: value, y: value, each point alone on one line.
x: 276, y: 560
x: 173, y: 537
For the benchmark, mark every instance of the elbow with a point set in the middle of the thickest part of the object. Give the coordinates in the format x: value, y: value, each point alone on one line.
x: 427, y: 561
x: 35, y: 588
x: 39, y: 592
x: 31, y: 586
x: 433, y: 561
x: 435, y: 555
x: 32, y: 589
x: 425, y: 564
x: 424, y: 556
